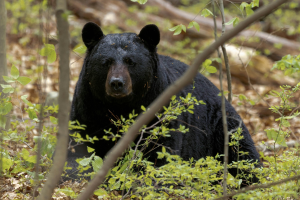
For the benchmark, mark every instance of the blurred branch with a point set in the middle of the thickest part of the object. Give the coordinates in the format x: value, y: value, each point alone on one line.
x: 164, y: 98
x: 63, y: 100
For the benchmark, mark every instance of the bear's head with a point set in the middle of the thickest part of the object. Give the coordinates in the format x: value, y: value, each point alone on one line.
x: 120, y: 68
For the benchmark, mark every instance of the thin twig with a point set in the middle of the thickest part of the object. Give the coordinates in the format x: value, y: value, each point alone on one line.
x: 224, y: 120
x: 221, y: 7
x: 261, y: 186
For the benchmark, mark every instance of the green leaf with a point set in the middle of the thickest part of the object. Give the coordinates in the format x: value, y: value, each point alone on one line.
x: 140, y: 1
x: 255, y: 3
x: 178, y: 30
x: 5, y: 108
x: 85, y: 161
x: 274, y: 135
x: 252, y: 102
x: 236, y: 21
x: 233, y: 21
x: 49, y: 51
x: 80, y: 49
x: 2, y: 121
x: 8, y: 79
x: 211, y: 69
x: 101, y: 193
x: 271, y: 134
x: 249, y: 11
x: 163, y: 149
x: 196, y: 25
x: 31, y: 159
x: 24, y: 98
x: 6, y: 163
x: 6, y: 86
x: 8, y: 90
x: 219, y: 60
x: 143, y: 108
x: 174, y: 28
x: 230, y: 22
x: 90, y: 150
x: 53, y: 119
x: 286, y: 123
x: 25, y: 154
x: 281, y: 141
x: 97, y: 163
x: 243, y: 5
x: 183, y: 27
x: 14, y: 72
x: 206, y: 13
x: 242, y: 97
x: 32, y: 114
x: 148, y: 181
x: 23, y: 80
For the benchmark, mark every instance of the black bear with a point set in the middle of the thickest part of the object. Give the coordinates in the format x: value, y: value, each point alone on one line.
x: 122, y: 72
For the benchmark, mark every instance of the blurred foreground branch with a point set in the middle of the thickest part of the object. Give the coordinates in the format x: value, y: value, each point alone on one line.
x: 63, y: 101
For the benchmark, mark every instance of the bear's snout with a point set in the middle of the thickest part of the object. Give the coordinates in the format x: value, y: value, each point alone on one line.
x: 117, y: 84
x: 118, y: 81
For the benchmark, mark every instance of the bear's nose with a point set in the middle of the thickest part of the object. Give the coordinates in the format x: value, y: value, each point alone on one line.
x: 117, y: 84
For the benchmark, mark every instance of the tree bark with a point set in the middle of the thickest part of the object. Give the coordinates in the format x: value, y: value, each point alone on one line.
x: 63, y: 100
x: 164, y: 98
x: 3, y: 68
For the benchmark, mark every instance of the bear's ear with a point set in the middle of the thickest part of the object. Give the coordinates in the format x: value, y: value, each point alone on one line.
x: 150, y: 34
x: 91, y: 34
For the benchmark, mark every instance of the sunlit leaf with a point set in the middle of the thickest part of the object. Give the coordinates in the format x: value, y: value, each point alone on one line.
x: 8, y: 90
x: 97, y: 163
x: 14, y: 72
x: 206, y: 13
x: 24, y: 98
x: 80, y: 49
x: 23, y: 80
x: 49, y: 51
x: 8, y: 79
x: 5, y: 108
x: 2, y: 121
x: 53, y: 119
x: 90, y: 150
x: 211, y: 69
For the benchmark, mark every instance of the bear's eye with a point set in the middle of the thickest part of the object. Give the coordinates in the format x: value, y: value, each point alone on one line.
x: 129, y: 62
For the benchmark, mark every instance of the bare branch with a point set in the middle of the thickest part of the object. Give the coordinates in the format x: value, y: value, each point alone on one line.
x: 63, y: 100
x: 164, y: 98
x: 221, y: 7
x: 261, y: 186
x: 223, y: 108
